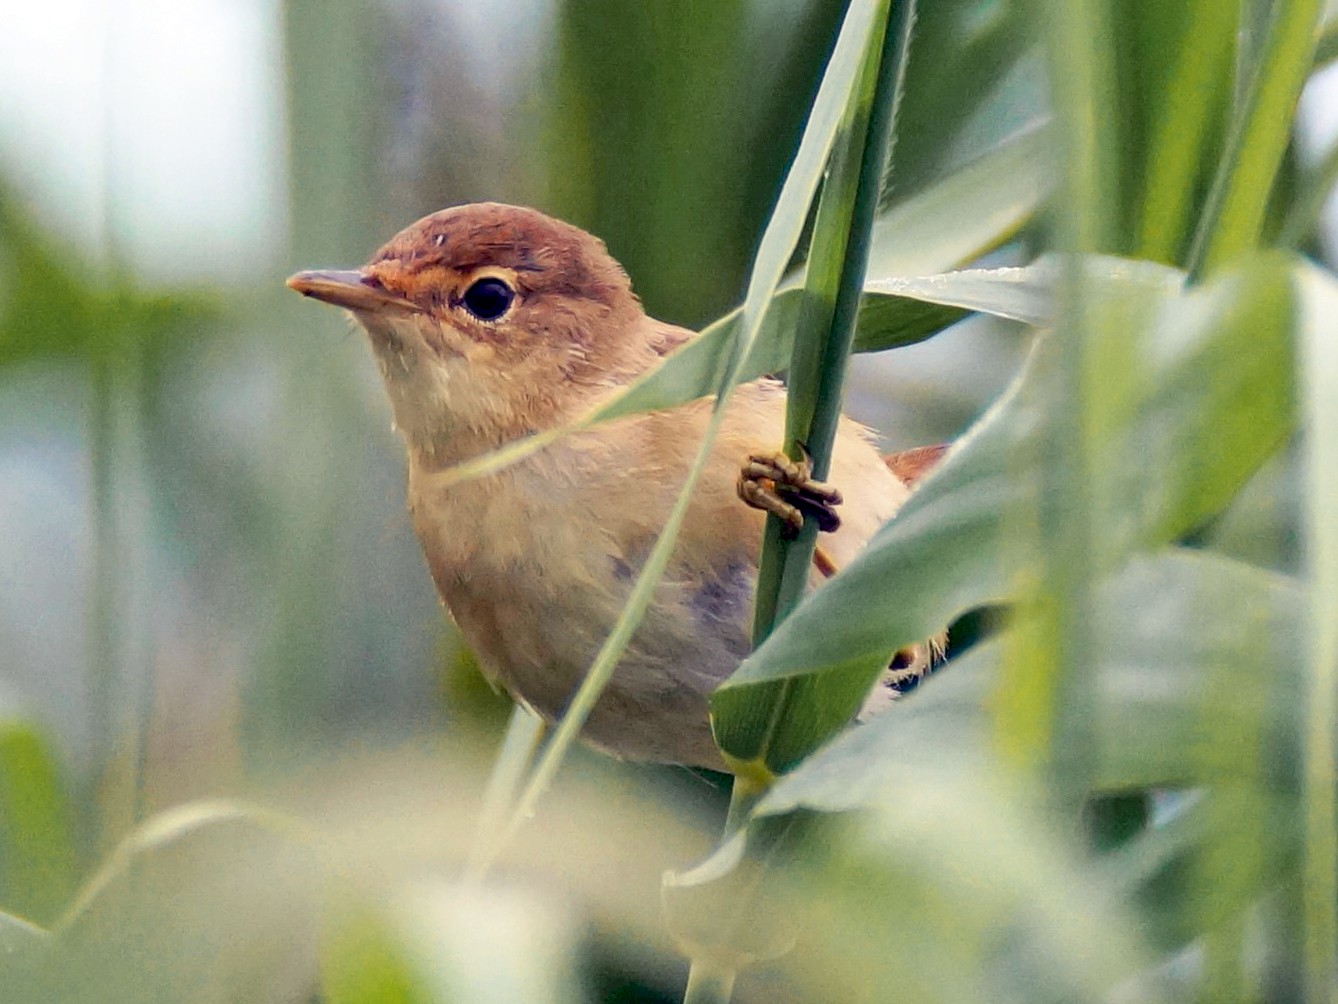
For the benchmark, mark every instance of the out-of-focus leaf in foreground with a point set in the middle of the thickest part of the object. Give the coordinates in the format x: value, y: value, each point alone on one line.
x: 923, y: 778
x: 1168, y: 625
x: 1214, y: 401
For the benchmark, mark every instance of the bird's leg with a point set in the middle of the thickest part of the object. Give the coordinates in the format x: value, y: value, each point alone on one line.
x: 785, y: 488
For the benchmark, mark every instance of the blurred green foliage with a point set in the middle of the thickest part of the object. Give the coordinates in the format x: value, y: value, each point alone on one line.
x: 1127, y: 791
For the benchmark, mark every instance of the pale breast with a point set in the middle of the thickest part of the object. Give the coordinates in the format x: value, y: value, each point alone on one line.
x: 535, y: 564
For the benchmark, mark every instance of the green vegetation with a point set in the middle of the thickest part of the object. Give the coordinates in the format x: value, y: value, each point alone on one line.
x: 1123, y: 789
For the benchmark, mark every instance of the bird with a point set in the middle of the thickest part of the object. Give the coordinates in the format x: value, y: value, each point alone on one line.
x: 492, y: 322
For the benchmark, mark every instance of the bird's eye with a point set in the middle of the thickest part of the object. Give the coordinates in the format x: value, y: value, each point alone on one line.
x: 488, y: 299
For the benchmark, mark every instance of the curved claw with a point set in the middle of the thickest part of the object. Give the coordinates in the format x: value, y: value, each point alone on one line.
x: 784, y: 487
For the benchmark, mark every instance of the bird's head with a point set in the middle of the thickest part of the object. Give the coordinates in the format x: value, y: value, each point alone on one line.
x: 488, y: 319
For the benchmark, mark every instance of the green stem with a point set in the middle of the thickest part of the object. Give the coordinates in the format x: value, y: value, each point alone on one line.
x: 837, y: 263
x: 838, y: 259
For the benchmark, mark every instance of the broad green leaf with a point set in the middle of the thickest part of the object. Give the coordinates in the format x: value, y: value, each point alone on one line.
x: 1169, y: 628
x: 1214, y: 402
x: 1030, y: 293
x: 1178, y: 698
x: 958, y: 859
x: 1196, y: 655
x: 902, y: 310
x: 970, y: 211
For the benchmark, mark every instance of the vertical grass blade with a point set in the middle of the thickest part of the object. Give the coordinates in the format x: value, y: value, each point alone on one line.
x: 1258, y: 136
x: 1186, y: 119
x: 1319, y: 368
x: 1044, y: 700
x: 834, y: 278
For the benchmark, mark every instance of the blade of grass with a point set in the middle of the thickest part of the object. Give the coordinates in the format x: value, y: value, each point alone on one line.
x: 1173, y: 164
x: 785, y: 562
x: 781, y: 725
x: 1043, y: 712
x: 1319, y: 371
x: 1258, y: 135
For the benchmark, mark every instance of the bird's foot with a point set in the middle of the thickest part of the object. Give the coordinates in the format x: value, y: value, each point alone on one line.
x: 785, y: 488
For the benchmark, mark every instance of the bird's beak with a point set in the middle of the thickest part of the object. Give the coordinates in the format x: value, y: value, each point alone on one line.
x: 350, y: 289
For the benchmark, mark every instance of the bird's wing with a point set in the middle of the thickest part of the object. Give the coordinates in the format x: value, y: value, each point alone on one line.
x: 910, y: 466
x: 667, y: 337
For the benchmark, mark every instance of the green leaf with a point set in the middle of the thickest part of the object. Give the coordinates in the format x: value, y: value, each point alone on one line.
x: 971, y: 81
x: 1198, y: 663
x: 948, y: 859
x: 1214, y: 402
x: 1030, y: 294
x: 970, y: 211
x: 38, y: 863
x: 1187, y: 110
x: 1170, y: 628
x: 1271, y: 74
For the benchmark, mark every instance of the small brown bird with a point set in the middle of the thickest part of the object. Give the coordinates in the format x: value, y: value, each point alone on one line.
x: 491, y: 322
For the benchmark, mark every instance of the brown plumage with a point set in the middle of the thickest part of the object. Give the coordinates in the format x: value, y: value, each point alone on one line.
x: 535, y: 561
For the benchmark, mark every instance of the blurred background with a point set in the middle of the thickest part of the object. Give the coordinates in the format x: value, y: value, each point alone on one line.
x: 207, y: 575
